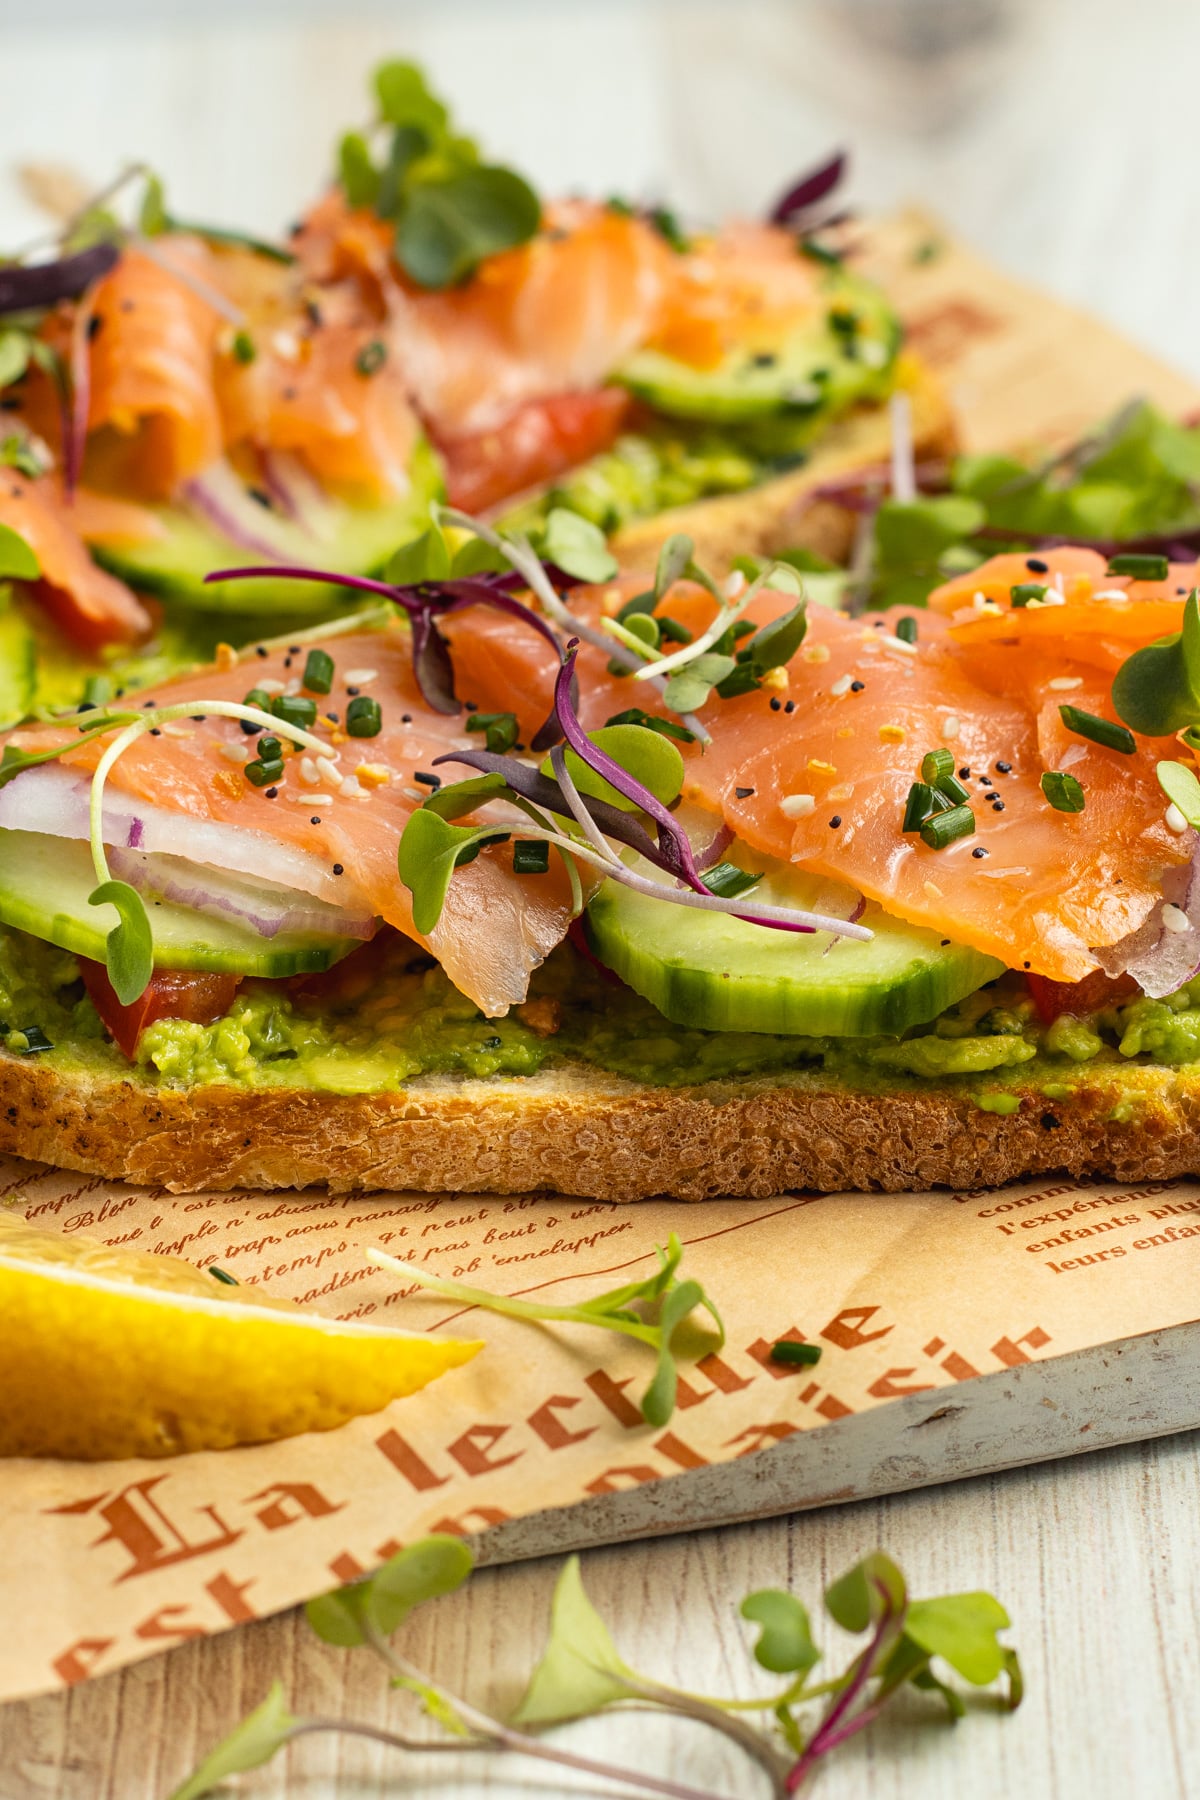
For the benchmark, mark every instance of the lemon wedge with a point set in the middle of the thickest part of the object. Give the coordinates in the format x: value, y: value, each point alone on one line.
x: 113, y: 1353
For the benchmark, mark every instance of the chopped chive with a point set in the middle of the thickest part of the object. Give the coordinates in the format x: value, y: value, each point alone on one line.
x: 318, y: 672
x: 634, y: 715
x: 1100, y: 731
x: 918, y: 807
x: 802, y: 1356
x: 294, y: 709
x: 501, y: 730
x: 530, y: 857
x: 35, y: 1040
x: 728, y: 881
x: 645, y: 602
x: 363, y: 717
x: 243, y: 347
x: 1064, y: 793
x: 260, y: 774
x: 674, y: 632
x: 256, y: 697
x: 1141, y: 568
x: 953, y: 790
x: 936, y: 765
x: 97, y: 691
x: 906, y: 629
x: 270, y: 750
x: 819, y: 253
x: 946, y: 827
x: 1025, y: 591
x: 371, y: 357
x: 222, y: 1275
x: 942, y: 801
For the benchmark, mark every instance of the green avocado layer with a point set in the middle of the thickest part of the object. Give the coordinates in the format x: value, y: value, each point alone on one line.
x: 404, y: 1019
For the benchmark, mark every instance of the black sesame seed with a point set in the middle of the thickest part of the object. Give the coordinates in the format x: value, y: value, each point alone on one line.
x: 406, y: 718
x: 316, y: 819
x: 287, y: 662
x: 338, y: 869
x: 148, y: 704
x: 354, y: 692
x: 1026, y: 965
x: 154, y: 731
x: 856, y: 687
x: 986, y: 781
x: 789, y: 706
x: 199, y: 718
x: 776, y: 704
x: 835, y: 821
x: 978, y: 852
x: 293, y: 649
x: 743, y: 793
x: 1036, y: 566
x: 1181, y: 590
x: 1003, y: 768
x: 333, y: 718
x: 470, y: 706
x: 261, y: 496
x: 261, y: 650
x: 945, y: 942
x: 964, y: 774
x: 94, y: 326
x: 997, y: 806
x: 271, y: 793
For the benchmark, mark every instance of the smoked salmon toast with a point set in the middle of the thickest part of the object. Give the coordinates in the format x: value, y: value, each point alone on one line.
x: 178, y: 398
x: 671, y: 884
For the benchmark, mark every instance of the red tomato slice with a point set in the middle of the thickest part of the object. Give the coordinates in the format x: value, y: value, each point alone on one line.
x: 533, y: 445
x: 172, y: 994
x: 1079, y: 998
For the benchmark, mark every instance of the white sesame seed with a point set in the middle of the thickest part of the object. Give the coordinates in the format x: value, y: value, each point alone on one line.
x: 269, y: 685
x: 979, y: 600
x: 950, y: 729
x: 1051, y: 598
x: 1110, y: 594
x: 312, y: 799
x: 308, y: 771
x: 293, y: 687
x: 845, y: 792
x: 352, y: 789
x: 797, y: 806
x: 734, y: 583
x: 360, y: 677
x: 328, y: 772
x: 840, y: 686
x: 1062, y: 682
x: 1175, y: 919
x: 1175, y: 819
x: 286, y: 344
x: 235, y: 753
x: 933, y: 891
x: 894, y: 643
x: 415, y: 793
x: 175, y: 730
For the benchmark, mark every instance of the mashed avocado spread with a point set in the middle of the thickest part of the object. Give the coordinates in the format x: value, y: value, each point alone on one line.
x: 388, y: 1014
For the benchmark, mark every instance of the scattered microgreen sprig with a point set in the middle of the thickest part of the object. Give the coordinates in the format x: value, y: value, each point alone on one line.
x: 910, y: 1644
x: 650, y: 1310
x: 449, y: 209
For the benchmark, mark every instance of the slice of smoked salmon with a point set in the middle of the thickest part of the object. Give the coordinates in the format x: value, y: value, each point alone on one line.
x: 91, y: 606
x: 539, y: 442
x: 497, y: 926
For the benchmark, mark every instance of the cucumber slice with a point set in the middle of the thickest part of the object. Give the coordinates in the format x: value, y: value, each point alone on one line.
x: 354, y: 540
x: 18, y: 662
x: 44, y: 888
x: 815, y: 372
x: 711, y: 970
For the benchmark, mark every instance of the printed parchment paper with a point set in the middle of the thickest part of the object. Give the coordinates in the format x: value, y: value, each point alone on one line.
x: 111, y: 1562
x: 903, y: 1293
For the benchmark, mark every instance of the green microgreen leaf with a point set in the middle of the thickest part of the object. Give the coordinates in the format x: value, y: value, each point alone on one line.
x: 405, y: 99
x: 649, y: 756
x: 424, y: 558
x: 774, y: 645
x: 357, y: 173
x: 430, y: 851
x: 1157, y: 689
x: 259, y: 1737
x: 448, y: 227
x: 688, y: 688
x: 641, y: 633
x: 785, y: 1644
x: 857, y: 1599
x: 474, y: 557
x: 634, y: 715
x: 573, y: 544
x: 129, y: 947
x: 580, y: 1671
x: 153, y: 219
x: 17, y: 561
x: 1182, y: 789
x: 14, y: 356
x: 423, y: 1571
x: 674, y: 561
x: 961, y: 1629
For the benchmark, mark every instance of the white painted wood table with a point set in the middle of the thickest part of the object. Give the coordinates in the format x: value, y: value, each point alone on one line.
x: 1061, y: 145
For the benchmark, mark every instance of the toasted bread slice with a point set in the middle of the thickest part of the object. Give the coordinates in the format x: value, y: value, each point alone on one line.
x: 576, y: 1130
x: 779, y: 514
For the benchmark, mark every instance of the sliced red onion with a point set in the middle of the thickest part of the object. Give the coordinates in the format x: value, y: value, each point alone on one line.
x: 266, y: 908
x: 222, y: 502
x: 298, y: 495
x: 1161, y: 960
x: 54, y: 800
x: 24, y: 286
x: 714, y: 850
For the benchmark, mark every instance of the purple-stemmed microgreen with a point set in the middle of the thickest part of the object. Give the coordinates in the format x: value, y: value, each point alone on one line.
x: 581, y: 1672
x: 799, y: 208
x: 595, y: 795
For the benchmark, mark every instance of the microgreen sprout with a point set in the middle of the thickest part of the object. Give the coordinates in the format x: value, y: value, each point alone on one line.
x: 910, y: 1644
x: 649, y: 1310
